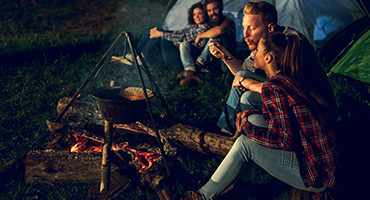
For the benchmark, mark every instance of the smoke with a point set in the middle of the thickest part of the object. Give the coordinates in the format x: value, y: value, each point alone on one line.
x: 135, y: 17
x: 139, y: 16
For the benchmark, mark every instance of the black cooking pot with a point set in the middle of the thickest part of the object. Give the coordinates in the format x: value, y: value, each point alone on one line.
x: 114, y: 107
x: 117, y: 109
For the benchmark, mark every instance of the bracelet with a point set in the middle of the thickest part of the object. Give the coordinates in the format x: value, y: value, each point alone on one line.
x: 241, y: 80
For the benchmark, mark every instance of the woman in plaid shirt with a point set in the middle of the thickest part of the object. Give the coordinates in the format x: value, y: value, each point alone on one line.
x: 292, y: 139
x: 157, y: 46
x: 197, y: 24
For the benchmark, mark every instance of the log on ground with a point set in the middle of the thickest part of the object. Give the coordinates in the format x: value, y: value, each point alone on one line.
x: 48, y: 166
x: 182, y: 135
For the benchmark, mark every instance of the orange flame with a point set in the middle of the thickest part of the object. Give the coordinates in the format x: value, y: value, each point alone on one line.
x: 86, y: 144
x: 145, y: 159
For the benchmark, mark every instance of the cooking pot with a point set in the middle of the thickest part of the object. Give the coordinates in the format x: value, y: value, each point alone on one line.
x: 120, y: 104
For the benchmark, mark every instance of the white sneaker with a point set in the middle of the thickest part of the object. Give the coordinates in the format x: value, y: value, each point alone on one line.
x: 121, y: 60
x: 130, y: 57
x: 126, y: 60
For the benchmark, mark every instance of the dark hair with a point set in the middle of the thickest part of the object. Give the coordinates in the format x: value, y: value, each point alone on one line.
x: 286, y: 51
x: 220, y: 4
x: 191, y: 10
x: 267, y: 11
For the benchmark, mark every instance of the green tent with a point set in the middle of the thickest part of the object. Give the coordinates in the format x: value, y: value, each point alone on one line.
x: 355, y: 63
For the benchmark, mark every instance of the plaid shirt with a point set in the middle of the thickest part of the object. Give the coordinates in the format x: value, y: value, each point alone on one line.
x: 188, y: 34
x: 295, y: 123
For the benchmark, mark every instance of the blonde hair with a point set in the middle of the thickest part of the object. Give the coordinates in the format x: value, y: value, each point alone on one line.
x: 267, y: 11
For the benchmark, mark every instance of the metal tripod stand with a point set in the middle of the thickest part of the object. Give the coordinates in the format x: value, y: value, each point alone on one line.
x: 105, y: 179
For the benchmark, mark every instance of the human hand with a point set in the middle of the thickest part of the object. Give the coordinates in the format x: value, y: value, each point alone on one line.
x: 236, y: 82
x: 242, y: 117
x: 196, y: 41
x: 218, y: 51
x: 155, y: 33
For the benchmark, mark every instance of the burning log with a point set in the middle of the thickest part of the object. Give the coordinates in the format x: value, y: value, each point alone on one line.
x: 140, y: 161
x: 48, y: 166
x: 180, y: 135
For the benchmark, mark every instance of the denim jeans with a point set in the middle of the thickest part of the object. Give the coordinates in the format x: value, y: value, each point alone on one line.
x: 187, y: 54
x: 148, y: 47
x: 239, y: 101
x: 160, y: 52
x: 171, y: 55
x: 205, y: 55
x: 282, y: 165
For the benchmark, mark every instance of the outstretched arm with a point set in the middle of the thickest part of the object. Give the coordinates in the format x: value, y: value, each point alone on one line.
x: 218, y: 51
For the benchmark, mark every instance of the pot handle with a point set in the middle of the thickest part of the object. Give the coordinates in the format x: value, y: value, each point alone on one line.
x: 96, y: 75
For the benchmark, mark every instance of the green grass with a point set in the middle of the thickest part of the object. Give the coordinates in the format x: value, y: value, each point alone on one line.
x: 30, y: 93
x: 32, y: 85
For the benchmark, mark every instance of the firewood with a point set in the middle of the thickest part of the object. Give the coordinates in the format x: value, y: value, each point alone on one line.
x: 123, y: 159
x: 119, y: 183
x: 106, y: 161
x: 48, y: 166
x: 80, y: 110
x: 181, y: 135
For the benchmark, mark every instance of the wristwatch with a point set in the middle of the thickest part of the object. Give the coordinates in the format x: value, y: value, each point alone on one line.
x: 241, y: 80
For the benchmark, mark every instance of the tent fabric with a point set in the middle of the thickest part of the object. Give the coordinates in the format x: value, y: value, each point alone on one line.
x: 355, y: 63
x: 316, y: 19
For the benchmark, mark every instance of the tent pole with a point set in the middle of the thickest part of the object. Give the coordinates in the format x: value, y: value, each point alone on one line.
x: 365, y: 9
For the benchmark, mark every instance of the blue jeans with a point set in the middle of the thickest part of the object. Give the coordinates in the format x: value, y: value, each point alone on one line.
x: 239, y: 101
x: 148, y: 47
x: 205, y: 55
x: 171, y: 55
x: 187, y: 54
x: 160, y: 52
x: 283, y: 165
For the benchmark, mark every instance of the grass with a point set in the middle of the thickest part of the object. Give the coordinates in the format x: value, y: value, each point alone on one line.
x: 41, y: 65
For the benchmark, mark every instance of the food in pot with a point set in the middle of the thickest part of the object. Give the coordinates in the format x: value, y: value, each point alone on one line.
x: 135, y: 93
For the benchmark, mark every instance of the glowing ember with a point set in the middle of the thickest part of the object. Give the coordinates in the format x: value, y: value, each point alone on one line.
x: 86, y: 144
x: 145, y: 159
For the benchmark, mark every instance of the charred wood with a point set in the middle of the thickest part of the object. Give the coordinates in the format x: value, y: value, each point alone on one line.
x: 181, y: 135
x: 48, y: 166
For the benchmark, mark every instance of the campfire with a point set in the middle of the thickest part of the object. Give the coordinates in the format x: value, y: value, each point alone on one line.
x: 80, y: 148
x: 73, y: 153
x: 86, y: 144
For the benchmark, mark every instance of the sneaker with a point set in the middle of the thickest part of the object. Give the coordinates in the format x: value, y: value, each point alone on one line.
x: 121, y: 60
x: 200, y: 64
x: 202, y: 67
x: 128, y: 59
x: 131, y: 58
x: 193, y: 196
x: 204, y: 70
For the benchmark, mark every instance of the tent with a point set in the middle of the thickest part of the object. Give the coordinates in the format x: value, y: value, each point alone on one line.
x: 355, y: 63
x: 316, y: 19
